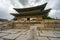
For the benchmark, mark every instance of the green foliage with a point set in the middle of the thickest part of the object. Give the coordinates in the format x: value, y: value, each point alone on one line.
x: 46, y: 17
x: 14, y: 19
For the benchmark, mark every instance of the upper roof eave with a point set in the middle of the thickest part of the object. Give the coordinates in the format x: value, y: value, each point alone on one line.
x: 45, y: 12
x: 31, y: 8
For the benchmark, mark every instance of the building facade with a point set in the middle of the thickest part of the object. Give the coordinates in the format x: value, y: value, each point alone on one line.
x: 33, y: 13
x: 35, y: 16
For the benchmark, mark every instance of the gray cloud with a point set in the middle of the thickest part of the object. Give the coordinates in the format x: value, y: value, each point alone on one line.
x: 37, y: 0
x: 56, y: 15
x: 4, y: 14
x: 57, y: 5
x: 23, y: 2
x: 6, y: 7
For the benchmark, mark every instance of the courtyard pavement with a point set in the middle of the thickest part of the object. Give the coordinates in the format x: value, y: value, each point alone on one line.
x: 18, y: 34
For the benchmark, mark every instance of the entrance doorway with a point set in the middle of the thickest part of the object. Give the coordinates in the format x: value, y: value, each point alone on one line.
x: 28, y: 18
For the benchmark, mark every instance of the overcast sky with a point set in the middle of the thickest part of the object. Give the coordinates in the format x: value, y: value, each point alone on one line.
x: 6, y: 7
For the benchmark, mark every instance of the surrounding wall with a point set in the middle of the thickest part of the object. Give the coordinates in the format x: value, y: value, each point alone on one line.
x: 44, y: 24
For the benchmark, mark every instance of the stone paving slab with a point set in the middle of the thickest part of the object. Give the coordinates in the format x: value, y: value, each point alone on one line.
x: 47, y: 38
x: 54, y: 38
x: 24, y: 37
x: 1, y: 39
x: 50, y: 33
x: 18, y: 34
x: 3, y: 34
x: 43, y: 38
x: 11, y: 31
x: 13, y: 36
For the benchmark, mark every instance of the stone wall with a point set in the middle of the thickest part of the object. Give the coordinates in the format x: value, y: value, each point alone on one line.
x: 44, y: 24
